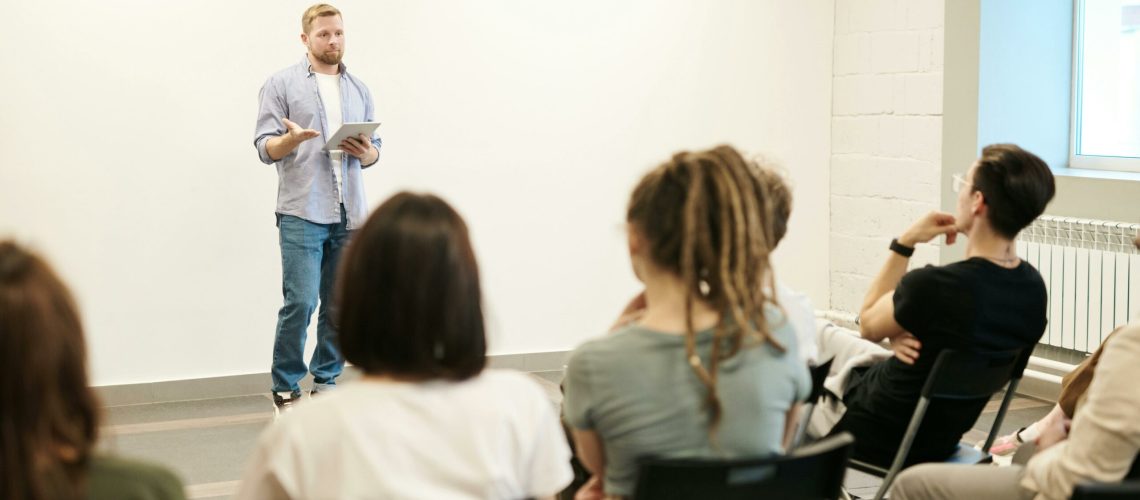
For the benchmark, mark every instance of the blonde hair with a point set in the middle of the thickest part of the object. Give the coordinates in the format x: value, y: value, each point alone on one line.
x: 318, y: 10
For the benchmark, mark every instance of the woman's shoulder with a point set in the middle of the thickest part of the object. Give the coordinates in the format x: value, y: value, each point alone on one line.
x: 512, y: 383
x: 1127, y: 335
x: 121, y: 478
x: 627, y: 348
x: 505, y: 378
x: 780, y: 326
x: 522, y: 396
x: 631, y: 337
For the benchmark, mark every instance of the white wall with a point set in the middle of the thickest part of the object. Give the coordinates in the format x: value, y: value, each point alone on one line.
x: 886, y: 135
x: 126, y: 156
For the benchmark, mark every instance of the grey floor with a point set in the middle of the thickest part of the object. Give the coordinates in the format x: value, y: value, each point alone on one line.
x: 207, y: 442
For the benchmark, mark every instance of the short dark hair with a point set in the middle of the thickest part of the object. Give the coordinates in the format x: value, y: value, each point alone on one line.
x: 1016, y: 184
x: 408, y: 299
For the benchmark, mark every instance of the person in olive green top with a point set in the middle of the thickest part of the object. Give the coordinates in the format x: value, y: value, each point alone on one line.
x: 48, y: 414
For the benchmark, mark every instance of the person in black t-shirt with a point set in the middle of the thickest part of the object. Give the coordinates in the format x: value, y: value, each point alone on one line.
x: 991, y: 301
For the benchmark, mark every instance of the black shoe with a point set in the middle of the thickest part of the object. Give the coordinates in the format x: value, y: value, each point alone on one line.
x: 282, y: 404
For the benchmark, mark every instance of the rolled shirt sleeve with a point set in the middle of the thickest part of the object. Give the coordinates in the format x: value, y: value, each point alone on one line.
x: 271, y: 109
x: 370, y: 116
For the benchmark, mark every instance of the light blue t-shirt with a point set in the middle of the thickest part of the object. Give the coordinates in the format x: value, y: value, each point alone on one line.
x: 637, y: 391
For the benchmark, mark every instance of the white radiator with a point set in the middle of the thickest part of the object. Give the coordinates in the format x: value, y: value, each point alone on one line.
x: 1092, y: 271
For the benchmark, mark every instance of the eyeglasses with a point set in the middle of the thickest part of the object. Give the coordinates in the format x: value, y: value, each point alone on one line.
x: 959, y: 182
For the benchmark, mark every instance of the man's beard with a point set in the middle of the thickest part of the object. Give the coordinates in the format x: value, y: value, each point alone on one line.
x: 331, y: 58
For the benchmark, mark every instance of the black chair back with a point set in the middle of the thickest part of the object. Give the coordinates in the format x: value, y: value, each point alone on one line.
x: 1129, y: 488
x: 973, y: 375
x: 813, y: 472
x: 957, y: 375
x: 964, y: 375
x: 1107, y: 491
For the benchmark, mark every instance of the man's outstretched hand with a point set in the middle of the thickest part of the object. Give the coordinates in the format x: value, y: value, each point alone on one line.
x: 297, y: 134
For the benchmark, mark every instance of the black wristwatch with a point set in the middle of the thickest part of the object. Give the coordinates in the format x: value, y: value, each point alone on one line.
x: 901, y: 249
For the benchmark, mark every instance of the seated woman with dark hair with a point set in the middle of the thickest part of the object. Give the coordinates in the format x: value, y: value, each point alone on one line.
x: 427, y: 420
x: 48, y: 414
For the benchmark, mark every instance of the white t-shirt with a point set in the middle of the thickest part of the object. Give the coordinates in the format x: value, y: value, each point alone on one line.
x: 801, y: 314
x: 329, y: 88
x: 493, y: 436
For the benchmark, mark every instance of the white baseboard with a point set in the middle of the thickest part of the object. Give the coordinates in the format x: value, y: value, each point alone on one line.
x: 259, y: 383
x: 1042, y: 378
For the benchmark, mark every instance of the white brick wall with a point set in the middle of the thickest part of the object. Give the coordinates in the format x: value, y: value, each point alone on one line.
x: 886, y: 134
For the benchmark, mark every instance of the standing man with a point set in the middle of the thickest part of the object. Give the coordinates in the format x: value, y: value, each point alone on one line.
x: 320, y: 198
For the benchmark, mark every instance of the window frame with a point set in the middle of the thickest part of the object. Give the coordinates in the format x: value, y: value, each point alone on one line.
x: 1090, y: 162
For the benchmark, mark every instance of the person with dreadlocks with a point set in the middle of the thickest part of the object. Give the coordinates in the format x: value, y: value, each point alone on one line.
x: 711, y: 368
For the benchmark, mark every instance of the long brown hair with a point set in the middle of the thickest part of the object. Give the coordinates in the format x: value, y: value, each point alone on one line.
x: 706, y: 217
x: 410, y: 305
x: 48, y: 420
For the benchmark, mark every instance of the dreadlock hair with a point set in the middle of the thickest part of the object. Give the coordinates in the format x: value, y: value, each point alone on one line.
x: 706, y: 217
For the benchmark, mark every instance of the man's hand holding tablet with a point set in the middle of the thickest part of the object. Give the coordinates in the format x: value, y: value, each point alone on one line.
x: 355, y: 139
x: 354, y: 131
x: 359, y: 146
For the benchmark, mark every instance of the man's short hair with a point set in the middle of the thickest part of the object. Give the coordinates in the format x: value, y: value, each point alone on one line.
x: 1016, y: 184
x: 318, y: 10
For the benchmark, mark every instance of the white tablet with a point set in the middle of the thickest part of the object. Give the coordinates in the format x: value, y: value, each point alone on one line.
x: 350, y: 130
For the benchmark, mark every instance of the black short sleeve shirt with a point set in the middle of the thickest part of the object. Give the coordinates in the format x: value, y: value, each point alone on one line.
x: 974, y: 305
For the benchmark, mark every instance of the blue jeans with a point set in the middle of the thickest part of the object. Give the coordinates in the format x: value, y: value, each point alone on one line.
x: 309, y: 256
